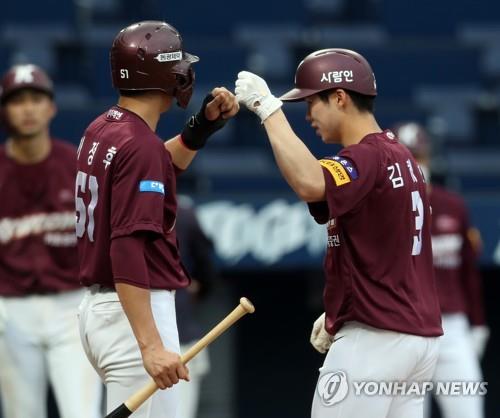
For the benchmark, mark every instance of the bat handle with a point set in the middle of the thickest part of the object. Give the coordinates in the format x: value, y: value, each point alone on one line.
x: 138, y: 398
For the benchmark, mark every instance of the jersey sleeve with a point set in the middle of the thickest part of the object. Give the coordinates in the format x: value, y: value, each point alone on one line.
x: 138, y: 190
x: 319, y: 211
x: 128, y: 262
x: 349, y: 176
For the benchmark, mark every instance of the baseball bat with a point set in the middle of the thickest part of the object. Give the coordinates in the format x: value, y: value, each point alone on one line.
x: 138, y: 398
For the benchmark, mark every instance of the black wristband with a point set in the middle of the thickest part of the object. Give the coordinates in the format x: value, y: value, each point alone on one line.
x: 198, y: 128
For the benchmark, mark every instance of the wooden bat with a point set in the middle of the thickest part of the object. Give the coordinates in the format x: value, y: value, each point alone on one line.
x: 138, y: 398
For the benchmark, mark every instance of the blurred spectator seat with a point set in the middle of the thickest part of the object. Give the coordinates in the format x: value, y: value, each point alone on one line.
x: 486, y: 38
x: 474, y: 170
x: 452, y: 105
x: 427, y: 19
x: 36, y: 42
x: 36, y: 12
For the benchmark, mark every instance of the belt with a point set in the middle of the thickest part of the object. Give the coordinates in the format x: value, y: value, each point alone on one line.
x: 97, y: 288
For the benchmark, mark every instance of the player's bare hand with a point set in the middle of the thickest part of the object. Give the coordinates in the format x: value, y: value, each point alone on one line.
x: 165, y: 367
x: 223, y: 105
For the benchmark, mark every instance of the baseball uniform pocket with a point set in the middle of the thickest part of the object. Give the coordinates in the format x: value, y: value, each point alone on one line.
x: 107, y: 306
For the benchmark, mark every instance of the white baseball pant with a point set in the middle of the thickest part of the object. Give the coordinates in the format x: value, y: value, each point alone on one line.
x: 39, y: 343
x: 112, y: 349
x: 457, y: 361
x: 199, y: 366
x: 361, y: 353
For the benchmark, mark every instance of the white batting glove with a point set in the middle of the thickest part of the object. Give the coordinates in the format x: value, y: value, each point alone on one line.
x: 320, y: 339
x: 479, y: 335
x: 252, y: 91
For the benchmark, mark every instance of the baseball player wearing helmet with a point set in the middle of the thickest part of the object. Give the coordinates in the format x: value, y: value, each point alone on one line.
x: 381, y: 306
x: 126, y: 215
x: 39, y: 288
x: 454, y: 246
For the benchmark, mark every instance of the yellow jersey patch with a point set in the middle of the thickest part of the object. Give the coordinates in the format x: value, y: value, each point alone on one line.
x: 337, y: 171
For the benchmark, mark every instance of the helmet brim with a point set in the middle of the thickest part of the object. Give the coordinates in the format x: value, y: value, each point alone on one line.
x: 186, y: 56
x: 7, y: 94
x: 297, y: 95
x: 183, y: 66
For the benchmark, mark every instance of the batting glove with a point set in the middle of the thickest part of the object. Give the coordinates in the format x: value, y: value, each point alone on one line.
x: 479, y: 337
x: 320, y: 339
x: 198, y: 128
x: 252, y: 91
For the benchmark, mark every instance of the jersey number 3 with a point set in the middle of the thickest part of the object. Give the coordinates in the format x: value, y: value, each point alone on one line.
x: 418, y: 208
x: 83, y: 212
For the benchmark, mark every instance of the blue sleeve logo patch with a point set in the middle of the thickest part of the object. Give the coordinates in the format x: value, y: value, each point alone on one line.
x: 347, y: 164
x: 152, y: 186
x: 341, y: 169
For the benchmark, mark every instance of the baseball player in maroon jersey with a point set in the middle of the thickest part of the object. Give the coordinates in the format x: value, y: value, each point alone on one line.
x: 39, y: 287
x: 381, y: 305
x: 126, y: 214
x: 454, y: 246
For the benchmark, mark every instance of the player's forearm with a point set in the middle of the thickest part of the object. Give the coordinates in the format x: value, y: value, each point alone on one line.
x: 136, y: 303
x: 299, y: 167
x: 181, y: 155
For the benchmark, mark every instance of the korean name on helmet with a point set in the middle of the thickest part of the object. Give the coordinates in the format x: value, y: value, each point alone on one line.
x: 332, y: 68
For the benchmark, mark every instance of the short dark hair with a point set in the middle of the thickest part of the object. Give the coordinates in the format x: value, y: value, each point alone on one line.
x: 362, y: 102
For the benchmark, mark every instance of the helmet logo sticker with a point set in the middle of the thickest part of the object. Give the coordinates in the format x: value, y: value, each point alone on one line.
x: 169, y: 56
x: 337, y: 76
x: 24, y: 74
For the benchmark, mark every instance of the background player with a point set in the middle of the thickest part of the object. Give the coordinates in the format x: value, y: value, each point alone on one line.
x: 454, y: 245
x: 126, y: 215
x: 39, y: 288
x: 380, y: 300
x: 197, y: 253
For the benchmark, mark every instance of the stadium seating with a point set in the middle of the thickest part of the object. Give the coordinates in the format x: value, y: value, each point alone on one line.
x: 440, y: 68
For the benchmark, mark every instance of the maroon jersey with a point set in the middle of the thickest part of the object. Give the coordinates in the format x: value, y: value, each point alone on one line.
x: 457, y: 277
x: 37, y: 224
x: 378, y: 264
x: 126, y: 183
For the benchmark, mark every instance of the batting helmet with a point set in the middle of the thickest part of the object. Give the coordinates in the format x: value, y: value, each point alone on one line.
x: 24, y: 77
x: 414, y: 136
x: 332, y: 68
x: 149, y: 56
